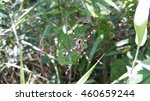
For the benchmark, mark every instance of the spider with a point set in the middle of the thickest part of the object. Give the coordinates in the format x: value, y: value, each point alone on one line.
x: 79, y: 45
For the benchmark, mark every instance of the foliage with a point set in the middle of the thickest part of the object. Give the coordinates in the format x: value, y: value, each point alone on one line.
x: 35, y: 35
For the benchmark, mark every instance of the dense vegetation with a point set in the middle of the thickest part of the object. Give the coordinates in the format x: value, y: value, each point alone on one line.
x: 59, y: 41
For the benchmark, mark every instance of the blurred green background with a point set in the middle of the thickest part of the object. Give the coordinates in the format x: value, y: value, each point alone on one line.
x: 45, y: 32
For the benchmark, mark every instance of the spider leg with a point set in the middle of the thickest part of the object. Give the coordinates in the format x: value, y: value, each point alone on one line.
x: 86, y: 56
x: 66, y: 53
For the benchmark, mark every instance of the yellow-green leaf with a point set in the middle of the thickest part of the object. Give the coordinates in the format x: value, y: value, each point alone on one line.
x: 91, y: 10
x: 140, y: 21
x: 110, y: 2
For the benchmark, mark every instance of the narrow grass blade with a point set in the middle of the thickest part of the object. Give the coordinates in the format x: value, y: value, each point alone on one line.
x: 84, y: 78
x: 22, y: 76
x: 22, y: 17
x: 94, y: 48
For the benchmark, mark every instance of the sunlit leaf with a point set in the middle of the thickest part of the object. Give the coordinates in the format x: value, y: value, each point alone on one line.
x: 125, y: 75
x: 140, y: 21
x: 22, y: 17
x: 145, y: 64
x: 137, y: 74
x: 64, y: 28
x: 104, y: 10
x: 110, y: 2
x: 136, y: 79
x: 91, y: 10
x: 122, y: 42
x: 2, y: 15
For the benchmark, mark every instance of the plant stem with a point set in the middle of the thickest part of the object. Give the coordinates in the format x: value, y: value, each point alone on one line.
x: 22, y: 77
x: 135, y: 58
x: 21, y: 6
x: 134, y: 61
x: 57, y: 73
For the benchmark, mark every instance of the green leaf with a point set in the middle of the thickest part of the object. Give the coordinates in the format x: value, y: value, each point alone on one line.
x: 104, y: 10
x: 140, y: 22
x: 22, y: 17
x: 137, y: 78
x: 146, y: 81
x: 94, y: 48
x: 134, y: 76
x: 66, y: 43
x: 139, y: 72
x: 122, y: 42
x: 91, y: 10
x: 84, y: 78
x: 2, y: 15
x: 111, y: 3
x: 145, y: 64
x: 124, y: 76
x: 45, y: 59
x: 118, y: 67
x: 47, y: 30
x: 146, y: 75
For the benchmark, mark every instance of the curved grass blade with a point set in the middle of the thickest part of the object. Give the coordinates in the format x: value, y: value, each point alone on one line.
x: 84, y: 78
